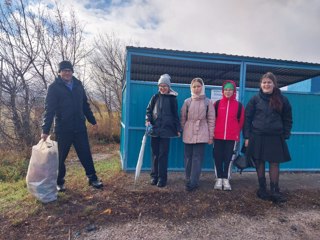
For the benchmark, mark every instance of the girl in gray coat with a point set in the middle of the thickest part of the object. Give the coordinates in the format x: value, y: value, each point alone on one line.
x: 197, y: 122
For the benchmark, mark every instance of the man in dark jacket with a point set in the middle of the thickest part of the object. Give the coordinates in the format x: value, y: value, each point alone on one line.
x: 67, y: 104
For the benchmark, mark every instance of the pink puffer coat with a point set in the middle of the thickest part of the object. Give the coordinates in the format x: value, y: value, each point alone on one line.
x: 198, y: 126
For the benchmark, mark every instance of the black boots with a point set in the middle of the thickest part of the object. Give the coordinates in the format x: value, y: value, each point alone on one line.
x: 262, y: 191
x: 276, y: 195
x: 154, y: 181
x: 160, y: 183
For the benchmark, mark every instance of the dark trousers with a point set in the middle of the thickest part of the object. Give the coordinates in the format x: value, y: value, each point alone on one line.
x: 222, y: 152
x: 81, y: 144
x: 193, y: 157
x: 160, y: 153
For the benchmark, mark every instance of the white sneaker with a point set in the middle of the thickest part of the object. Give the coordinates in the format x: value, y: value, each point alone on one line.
x: 218, y: 184
x: 226, y: 185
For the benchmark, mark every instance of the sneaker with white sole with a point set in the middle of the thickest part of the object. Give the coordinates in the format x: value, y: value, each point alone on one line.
x: 226, y: 184
x: 218, y: 184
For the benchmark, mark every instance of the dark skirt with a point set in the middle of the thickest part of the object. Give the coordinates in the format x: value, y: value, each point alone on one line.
x: 268, y: 148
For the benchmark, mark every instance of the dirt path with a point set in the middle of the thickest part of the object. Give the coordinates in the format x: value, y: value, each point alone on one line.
x: 240, y: 215
x: 276, y: 225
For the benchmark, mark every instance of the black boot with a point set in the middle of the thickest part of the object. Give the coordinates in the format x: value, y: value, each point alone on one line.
x: 162, y: 182
x: 153, y: 181
x: 276, y: 195
x: 262, y: 191
x: 94, y: 181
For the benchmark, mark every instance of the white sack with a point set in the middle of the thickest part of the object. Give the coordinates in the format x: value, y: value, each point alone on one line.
x: 43, y: 171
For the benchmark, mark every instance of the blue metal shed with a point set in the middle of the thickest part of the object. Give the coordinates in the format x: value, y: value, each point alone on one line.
x: 145, y: 65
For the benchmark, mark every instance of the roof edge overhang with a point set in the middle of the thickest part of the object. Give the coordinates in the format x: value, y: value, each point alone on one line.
x: 221, y: 56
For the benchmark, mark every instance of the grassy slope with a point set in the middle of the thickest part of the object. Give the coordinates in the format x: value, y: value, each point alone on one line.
x: 17, y: 204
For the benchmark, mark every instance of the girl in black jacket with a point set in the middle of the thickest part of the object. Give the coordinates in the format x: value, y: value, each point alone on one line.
x: 268, y: 122
x: 162, y: 114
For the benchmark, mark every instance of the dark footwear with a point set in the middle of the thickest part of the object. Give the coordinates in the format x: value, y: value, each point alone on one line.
x: 262, y: 191
x: 153, y: 181
x: 276, y: 195
x: 61, y: 188
x: 187, y: 182
x: 191, y: 188
x: 263, y: 194
x: 96, y: 183
x: 278, y: 198
x: 161, y: 184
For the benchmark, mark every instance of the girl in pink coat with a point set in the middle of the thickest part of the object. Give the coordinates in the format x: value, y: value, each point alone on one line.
x: 226, y: 133
x: 197, y: 122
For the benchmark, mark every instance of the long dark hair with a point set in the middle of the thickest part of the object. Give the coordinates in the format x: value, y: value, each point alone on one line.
x: 276, y: 99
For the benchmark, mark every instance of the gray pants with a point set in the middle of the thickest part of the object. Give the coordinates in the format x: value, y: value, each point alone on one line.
x: 193, y: 157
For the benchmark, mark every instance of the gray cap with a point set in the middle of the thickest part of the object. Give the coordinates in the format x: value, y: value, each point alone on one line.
x: 165, y: 79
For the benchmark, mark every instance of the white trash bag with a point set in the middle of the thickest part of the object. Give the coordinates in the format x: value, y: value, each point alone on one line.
x: 43, y: 171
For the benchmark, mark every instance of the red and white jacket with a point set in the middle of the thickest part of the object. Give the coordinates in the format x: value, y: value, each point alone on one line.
x: 227, y: 125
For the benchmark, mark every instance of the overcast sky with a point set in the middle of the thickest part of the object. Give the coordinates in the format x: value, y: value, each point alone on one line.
x: 280, y: 29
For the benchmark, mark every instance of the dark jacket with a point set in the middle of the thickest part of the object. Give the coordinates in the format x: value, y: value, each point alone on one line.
x: 69, y: 108
x: 261, y: 119
x: 162, y: 113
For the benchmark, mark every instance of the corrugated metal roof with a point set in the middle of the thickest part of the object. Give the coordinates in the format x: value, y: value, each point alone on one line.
x: 222, y: 55
x: 147, y: 64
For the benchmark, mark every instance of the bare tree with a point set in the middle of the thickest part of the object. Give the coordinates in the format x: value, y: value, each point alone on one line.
x: 108, y: 70
x: 32, y: 42
x: 108, y: 73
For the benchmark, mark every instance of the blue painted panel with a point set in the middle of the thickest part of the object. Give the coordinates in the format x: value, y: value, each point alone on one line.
x: 315, y: 85
x: 304, y: 86
x: 124, y: 105
x: 304, y: 154
x: 123, y: 125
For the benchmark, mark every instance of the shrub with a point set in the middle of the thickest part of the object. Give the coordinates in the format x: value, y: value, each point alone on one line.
x: 109, y: 129
x: 13, y: 166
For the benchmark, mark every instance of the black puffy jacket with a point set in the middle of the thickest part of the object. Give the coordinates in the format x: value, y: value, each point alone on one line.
x: 69, y: 108
x: 260, y: 118
x: 162, y: 113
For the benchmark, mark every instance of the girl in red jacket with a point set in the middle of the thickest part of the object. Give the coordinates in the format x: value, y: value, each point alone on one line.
x: 226, y: 133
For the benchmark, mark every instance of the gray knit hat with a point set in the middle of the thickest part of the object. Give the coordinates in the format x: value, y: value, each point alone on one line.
x: 166, y: 79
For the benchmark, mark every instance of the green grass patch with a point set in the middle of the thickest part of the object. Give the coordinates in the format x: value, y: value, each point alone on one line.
x: 17, y: 203
x: 104, y: 168
x: 13, y: 168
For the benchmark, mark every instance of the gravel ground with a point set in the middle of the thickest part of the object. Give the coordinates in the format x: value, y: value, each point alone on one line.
x: 277, y: 222
x: 289, y: 226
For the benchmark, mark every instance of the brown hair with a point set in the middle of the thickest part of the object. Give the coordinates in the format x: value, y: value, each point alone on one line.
x: 275, y: 100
